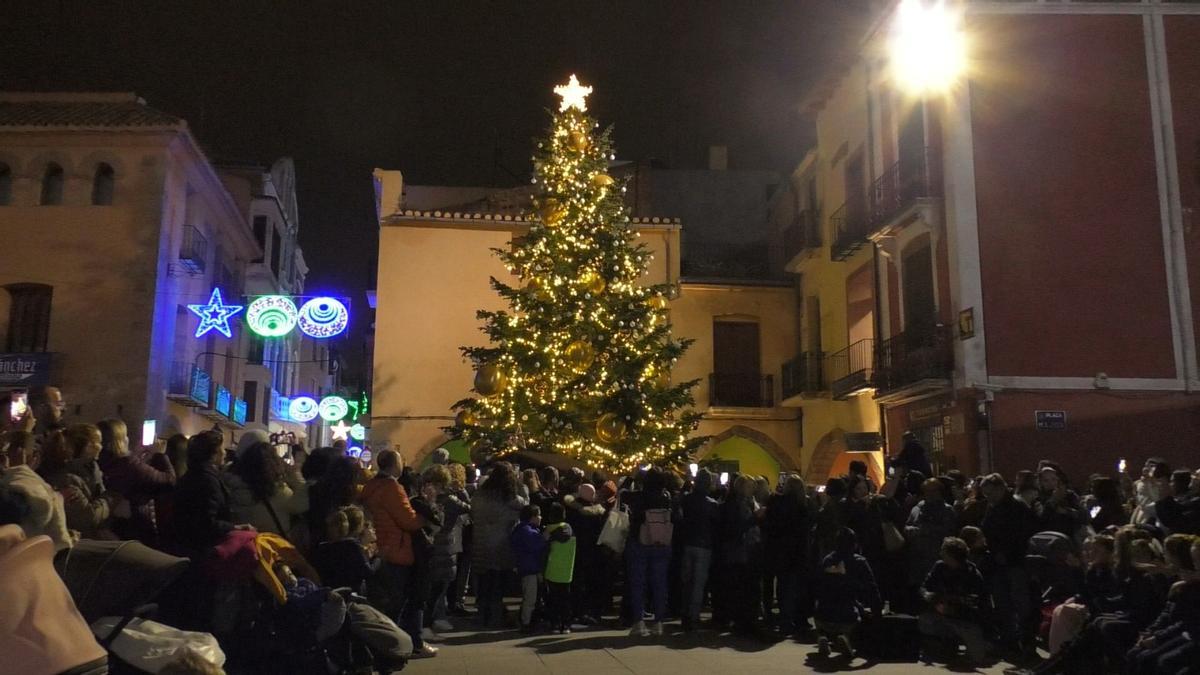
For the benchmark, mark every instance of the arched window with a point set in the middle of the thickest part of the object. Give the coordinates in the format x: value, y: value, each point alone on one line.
x: 52, y: 185
x: 5, y: 185
x: 102, y: 185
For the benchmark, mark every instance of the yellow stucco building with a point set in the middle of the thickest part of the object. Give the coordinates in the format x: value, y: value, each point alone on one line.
x: 434, y: 267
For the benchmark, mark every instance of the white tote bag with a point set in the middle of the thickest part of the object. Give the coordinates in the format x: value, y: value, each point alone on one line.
x: 616, y: 529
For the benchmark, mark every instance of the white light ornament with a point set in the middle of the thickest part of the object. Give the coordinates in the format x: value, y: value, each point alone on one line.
x: 272, y: 315
x: 333, y: 408
x: 340, y: 431
x: 927, y: 47
x: 302, y: 409
x: 323, y: 317
x: 573, y: 95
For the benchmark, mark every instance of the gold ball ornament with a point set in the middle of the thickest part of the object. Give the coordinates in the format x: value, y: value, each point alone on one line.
x: 538, y: 289
x: 657, y: 303
x: 602, y: 180
x: 552, y: 213
x: 580, y: 141
x: 466, y: 418
x: 610, y: 428
x: 593, y: 282
x: 579, y: 356
x: 490, y: 380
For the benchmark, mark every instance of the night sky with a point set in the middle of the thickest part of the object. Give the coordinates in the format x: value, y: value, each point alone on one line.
x: 448, y: 92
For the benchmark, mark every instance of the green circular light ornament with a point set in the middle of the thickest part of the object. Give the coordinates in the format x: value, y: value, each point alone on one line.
x: 358, y: 432
x: 272, y: 315
x: 333, y: 408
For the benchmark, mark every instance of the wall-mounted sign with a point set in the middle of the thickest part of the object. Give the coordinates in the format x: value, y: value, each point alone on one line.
x: 224, y: 404
x: 966, y: 324
x: 24, y: 370
x: 864, y: 441
x: 201, y: 386
x: 1050, y: 420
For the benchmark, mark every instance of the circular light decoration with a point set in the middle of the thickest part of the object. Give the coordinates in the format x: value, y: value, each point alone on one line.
x: 365, y: 457
x: 333, y: 408
x: 302, y: 409
x: 272, y: 315
x: 323, y: 317
x: 358, y: 432
x: 354, y: 451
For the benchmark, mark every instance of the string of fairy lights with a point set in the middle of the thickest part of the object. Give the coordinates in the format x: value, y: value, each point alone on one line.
x: 580, y: 363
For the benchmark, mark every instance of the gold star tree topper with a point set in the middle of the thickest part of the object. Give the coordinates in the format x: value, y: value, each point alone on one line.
x: 573, y: 94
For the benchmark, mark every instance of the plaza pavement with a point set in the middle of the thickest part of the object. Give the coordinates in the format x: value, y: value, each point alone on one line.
x: 607, y: 651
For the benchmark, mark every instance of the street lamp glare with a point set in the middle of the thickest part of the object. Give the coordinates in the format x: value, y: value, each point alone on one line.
x: 928, y: 49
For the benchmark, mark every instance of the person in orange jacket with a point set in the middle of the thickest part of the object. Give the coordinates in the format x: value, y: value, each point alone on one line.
x: 395, y: 523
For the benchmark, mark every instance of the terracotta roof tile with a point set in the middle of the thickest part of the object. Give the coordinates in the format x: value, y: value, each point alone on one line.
x: 84, y: 114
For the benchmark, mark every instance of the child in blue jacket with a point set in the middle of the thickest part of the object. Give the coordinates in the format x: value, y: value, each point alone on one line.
x: 529, y: 549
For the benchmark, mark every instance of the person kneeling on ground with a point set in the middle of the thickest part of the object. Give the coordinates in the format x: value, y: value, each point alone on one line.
x: 955, y: 593
x: 845, y: 592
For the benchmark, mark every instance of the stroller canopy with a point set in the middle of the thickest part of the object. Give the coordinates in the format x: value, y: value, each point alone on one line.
x: 111, y: 578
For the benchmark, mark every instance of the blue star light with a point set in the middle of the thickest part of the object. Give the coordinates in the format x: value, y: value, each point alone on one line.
x: 215, y: 315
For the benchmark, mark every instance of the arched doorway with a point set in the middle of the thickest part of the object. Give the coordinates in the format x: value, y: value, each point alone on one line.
x: 832, y: 458
x: 756, y: 453
x: 459, y: 452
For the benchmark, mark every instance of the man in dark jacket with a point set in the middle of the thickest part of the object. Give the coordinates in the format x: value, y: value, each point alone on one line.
x: 785, y: 532
x: 202, y: 515
x: 955, y: 594
x: 700, y: 516
x: 1179, y: 512
x: 1007, y: 525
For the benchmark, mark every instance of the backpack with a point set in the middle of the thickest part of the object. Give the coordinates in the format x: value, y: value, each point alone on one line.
x: 657, y: 528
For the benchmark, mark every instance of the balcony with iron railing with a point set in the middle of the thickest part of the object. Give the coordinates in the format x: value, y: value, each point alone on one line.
x: 189, y: 384
x: 913, y: 180
x: 851, y: 370
x: 905, y: 184
x: 915, y: 357
x: 193, y: 251
x: 741, y: 390
x: 801, y: 234
x: 850, y: 225
x: 803, y: 375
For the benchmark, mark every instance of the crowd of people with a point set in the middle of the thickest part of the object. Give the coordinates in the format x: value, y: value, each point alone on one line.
x: 1101, y: 574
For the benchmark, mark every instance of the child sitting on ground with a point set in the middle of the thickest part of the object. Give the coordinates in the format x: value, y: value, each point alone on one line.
x: 560, y: 567
x: 529, y: 549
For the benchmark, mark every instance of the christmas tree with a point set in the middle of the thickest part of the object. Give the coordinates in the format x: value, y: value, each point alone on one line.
x: 580, y: 363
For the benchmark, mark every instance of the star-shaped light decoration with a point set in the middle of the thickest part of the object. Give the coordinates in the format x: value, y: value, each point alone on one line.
x: 340, y: 431
x: 573, y: 94
x: 215, y: 315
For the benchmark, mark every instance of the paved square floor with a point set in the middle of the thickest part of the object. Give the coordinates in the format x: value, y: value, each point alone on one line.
x: 604, y: 651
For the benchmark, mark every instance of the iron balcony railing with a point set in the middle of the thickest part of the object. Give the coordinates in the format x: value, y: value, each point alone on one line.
x: 916, y: 176
x: 194, y: 250
x: 851, y: 370
x: 741, y: 390
x: 913, y: 356
x: 912, y: 178
x: 803, y: 375
x: 804, y: 232
x: 189, y: 384
x: 851, y: 225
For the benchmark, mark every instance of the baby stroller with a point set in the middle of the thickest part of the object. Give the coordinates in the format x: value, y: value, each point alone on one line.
x: 115, y: 585
x: 1051, y: 574
x: 286, y: 641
